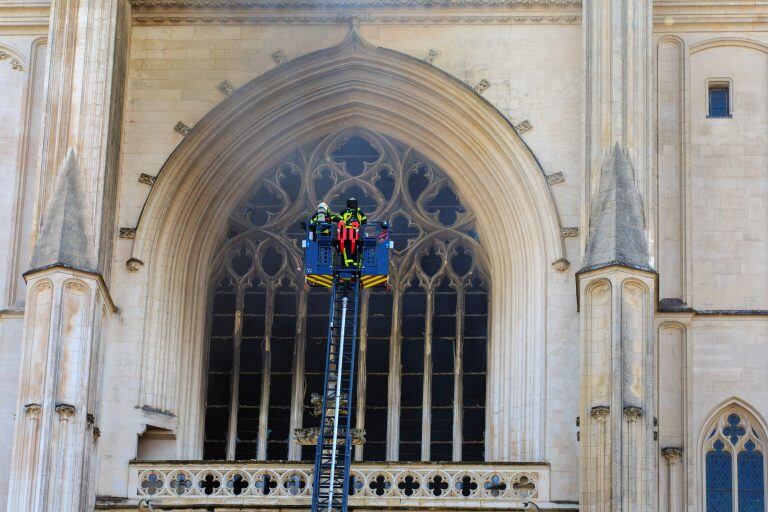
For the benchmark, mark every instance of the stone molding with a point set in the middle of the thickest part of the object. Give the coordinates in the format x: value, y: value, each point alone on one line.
x: 421, y: 18
x: 347, y: 4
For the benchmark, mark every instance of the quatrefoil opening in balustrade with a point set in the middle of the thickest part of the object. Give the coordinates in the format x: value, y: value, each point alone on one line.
x: 237, y: 483
x: 295, y: 483
x: 438, y: 484
x: 379, y: 484
x: 210, y: 484
x: 524, y: 486
x: 466, y: 485
x: 265, y: 482
x: 181, y: 482
x: 494, y: 486
x: 151, y: 484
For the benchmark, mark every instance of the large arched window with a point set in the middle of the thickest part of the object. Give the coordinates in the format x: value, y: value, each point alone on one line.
x: 421, y: 381
x: 735, y: 463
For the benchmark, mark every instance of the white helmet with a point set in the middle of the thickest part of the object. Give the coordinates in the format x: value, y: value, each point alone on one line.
x: 323, y: 207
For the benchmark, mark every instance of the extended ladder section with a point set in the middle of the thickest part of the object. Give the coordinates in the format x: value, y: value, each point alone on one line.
x: 334, y: 442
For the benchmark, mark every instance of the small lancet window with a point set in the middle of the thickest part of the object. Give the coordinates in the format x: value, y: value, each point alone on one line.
x: 719, y: 99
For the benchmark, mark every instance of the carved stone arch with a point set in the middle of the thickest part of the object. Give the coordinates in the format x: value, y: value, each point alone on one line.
x: 728, y: 41
x: 352, y: 84
x: 755, y: 430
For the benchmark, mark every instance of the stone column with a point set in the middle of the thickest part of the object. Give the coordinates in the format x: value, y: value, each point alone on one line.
x: 618, y: 465
x: 617, y: 283
x: 672, y: 456
x: 57, y: 406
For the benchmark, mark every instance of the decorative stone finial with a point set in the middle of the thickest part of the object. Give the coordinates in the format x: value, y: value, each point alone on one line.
x: 66, y: 236
x: 561, y: 265
x: 482, y: 86
x: 182, y: 128
x: 279, y: 57
x: 227, y: 88
x: 523, y: 126
x: 432, y: 54
x: 617, y: 221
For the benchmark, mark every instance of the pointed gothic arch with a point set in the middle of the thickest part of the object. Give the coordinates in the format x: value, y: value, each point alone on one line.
x: 733, y: 459
x: 351, y: 84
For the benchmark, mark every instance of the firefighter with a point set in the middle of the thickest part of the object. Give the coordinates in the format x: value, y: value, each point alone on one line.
x: 321, y: 220
x: 350, y: 220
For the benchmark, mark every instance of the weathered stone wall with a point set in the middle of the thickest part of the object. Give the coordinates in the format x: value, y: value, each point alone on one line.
x: 708, y: 205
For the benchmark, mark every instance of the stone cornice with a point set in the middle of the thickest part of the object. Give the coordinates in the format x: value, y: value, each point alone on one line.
x: 346, y: 4
x: 156, y: 18
x: 675, y: 16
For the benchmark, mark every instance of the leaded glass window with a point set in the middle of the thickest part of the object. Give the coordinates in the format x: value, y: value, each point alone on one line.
x: 735, y: 464
x: 719, y: 100
x: 421, y: 382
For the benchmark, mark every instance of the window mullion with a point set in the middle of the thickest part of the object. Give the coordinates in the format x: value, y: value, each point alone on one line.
x: 458, y: 395
x: 361, y: 368
x: 393, y: 396
x: 269, y: 314
x: 735, y: 478
x: 234, y: 378
x: 297, y: 384
x: 426, y: 397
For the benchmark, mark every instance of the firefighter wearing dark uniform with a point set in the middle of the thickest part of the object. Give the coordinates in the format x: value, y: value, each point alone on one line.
x: 350, y: 220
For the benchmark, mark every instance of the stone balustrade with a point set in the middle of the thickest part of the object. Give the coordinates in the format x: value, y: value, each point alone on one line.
x: 412, y: 485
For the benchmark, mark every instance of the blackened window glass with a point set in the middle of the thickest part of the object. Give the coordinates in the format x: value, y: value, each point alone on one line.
x: 421, y: 380
x: 719, y: 101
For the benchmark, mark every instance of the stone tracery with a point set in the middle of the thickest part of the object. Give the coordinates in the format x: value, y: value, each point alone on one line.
x: 267, y: 333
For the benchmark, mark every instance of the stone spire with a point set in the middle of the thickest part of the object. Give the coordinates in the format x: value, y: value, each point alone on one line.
x: 617, y: 223
x: 65, y: 236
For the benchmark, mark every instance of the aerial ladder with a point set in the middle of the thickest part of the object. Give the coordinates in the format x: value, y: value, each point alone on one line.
x: 324, y: 268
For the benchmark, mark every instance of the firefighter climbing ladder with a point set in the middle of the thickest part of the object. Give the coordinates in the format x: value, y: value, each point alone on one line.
x: 334, y: 444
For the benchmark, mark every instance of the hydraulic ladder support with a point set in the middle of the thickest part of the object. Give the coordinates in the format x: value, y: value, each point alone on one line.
x: 334, y: 442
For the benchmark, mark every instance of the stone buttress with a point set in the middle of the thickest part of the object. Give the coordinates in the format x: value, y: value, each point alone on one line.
x: 56, y: 433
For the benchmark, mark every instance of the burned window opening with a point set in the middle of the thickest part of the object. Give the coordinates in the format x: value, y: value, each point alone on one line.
x: 420, y: 391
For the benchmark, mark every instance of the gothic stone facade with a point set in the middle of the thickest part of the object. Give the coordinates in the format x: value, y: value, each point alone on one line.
x: 579, y: 303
